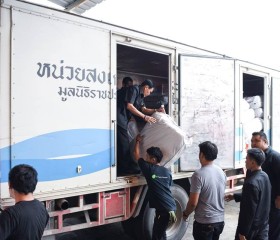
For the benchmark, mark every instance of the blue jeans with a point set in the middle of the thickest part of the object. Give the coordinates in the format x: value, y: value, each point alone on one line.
x: 210, y: 231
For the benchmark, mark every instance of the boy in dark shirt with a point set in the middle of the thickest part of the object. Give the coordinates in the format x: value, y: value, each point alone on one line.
x: 159, y: 180
x: 27, y: 219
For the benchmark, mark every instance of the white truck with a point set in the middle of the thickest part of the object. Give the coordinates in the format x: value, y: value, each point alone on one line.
x: 59, y: 76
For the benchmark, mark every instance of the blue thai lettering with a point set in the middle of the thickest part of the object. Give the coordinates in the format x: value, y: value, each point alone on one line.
x: 41, y: 72
x: 63, y: 92
x: 91, y: 76
x: 92, y: 94
x: 60, y: 73
x: 86, y: 92
x: 79, y: 91
x: 102, y: 78
x: 71, y: 91
x: 77, y: 71
x: 71, y: 73
x: 111, y: 94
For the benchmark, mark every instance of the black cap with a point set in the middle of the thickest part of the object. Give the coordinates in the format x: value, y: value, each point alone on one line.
x: 147, y: 82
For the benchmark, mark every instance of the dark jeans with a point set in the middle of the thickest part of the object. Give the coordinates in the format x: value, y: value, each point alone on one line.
x: 160, y: 225
x: 257, y: 233
x: 210, y: 231
x: 274, y: 224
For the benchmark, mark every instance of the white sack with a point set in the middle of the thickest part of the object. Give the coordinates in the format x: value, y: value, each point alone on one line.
x: 244, y: 105
x: 258, y: 112
x: 247, y: 115
x: 257, y: 102
x: 249, y: 99
x: 255, y: 125
x: 166, y: 135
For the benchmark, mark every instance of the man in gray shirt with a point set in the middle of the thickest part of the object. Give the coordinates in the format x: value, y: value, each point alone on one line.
x: 207, y: 195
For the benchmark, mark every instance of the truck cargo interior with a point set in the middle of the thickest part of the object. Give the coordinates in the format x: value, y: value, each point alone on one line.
x: 140, y: 64
x: 252, y: 85
x: 253, y: 112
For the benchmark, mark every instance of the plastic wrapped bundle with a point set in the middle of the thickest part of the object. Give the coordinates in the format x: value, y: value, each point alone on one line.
x: 166, y: 135
x: 258, y: 112
x: 244, y: 105
x: 247, y: 115
x: 256, y: 102
x: 254, y: 125
x: 249, y: 99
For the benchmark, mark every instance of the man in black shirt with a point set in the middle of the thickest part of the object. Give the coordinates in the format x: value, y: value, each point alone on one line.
x: 130, y: 102
x: 272, y: 167
x: 123, y: 115
x: 27, y: 219
x: 159, y: 180
x: 255, y: 199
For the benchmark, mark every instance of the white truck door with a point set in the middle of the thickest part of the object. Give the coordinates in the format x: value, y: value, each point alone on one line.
x: 207, y: 107
x: 275, y: 122
x: 61, y: 93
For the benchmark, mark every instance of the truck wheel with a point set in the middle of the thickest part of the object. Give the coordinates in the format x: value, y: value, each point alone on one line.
x: 68, y: 235
x: 174, y: 231
x: 130, y: 227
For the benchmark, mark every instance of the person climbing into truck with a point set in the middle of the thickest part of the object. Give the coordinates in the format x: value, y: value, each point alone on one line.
x: 131, y: 107
x: 159, y: 180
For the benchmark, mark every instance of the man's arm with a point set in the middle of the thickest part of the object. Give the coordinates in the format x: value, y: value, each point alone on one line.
x: 7, y: 225
x: 135, y: 111
x: 192, y: 203
x: 276, y: 170
x: 248, y: 208
x: 136, y: 151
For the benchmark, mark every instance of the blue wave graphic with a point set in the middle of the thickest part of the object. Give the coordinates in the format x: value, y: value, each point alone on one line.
x: 57, y: 155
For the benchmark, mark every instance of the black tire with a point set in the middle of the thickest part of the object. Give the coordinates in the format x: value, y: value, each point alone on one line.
x: 130, y: 227
x: 141, y: 227
x: 69, y: 235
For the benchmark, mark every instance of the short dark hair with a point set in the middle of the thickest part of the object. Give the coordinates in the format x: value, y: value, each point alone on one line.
x: 126, y: 81
x: 155, y: 152
x: 148, y: 83
x: 209, y: 150
x: 257, y: 155
x: 261, y: 134
x: 23, y: 178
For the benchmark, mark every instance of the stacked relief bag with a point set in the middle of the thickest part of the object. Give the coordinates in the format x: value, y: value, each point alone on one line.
x: 252, y: 116
x: 166, y: 135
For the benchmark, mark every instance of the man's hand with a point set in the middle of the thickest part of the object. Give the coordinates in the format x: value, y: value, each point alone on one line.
x: 229, y: 197
x: 136, y: 151
x: 242, y: 237
x: 139, y: 138
x: 185, y: 216
x: 277, y: 202
x: 172, y: 217
x: 150, y: 119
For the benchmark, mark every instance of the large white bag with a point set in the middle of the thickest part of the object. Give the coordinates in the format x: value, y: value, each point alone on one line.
x: 166, y: 135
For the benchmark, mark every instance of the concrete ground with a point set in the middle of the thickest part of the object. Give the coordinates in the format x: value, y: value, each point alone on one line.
x: 115, y: 231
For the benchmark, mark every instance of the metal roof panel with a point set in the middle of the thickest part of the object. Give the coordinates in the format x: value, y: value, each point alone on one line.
x: 76, y: 6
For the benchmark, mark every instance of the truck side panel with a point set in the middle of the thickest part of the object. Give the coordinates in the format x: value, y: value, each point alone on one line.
x: 61, y: 93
